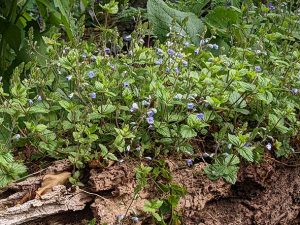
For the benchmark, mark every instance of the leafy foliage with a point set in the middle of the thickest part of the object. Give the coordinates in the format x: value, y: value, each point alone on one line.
x: 164, y: 17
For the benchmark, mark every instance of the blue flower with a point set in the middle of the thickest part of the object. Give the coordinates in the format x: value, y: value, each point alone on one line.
x: 200, y: 116
x: 39, y: 98
x: 185, y: 63
x: 294, y: 91
x: 176, y: 70
x: 271, y: 6
x: 257, y: 68
x: 150, y: 120
x: 91, y: 74
x: 93, y: 95
x: 120, y: 217
x: 187, y: 44
x: 202, y: 42
x: 210, y: 59
x: 171, y: 52
x: 189, y: 162
x: 190, y: 105
x: 69, y: 77
x: 134, y: 107
x: 159, y: 51
x: 17, y: 136
x: 178, y: 96
x: 215, y: 46
x: 159, y: 62
x: 269, y: 146
x: 83, y: 56
x: 196, y: 52
x: 127, y: 38
x: 179, y: 55
x: 125, y: 84
x: 151, y: 112
x: 168, y: 70
x: 107, y: 50
x: 135, y: 219
x: 210, y: 46
x: 30, y: 102
x: 247, y: 144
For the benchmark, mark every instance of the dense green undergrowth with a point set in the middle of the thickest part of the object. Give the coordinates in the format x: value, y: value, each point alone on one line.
x: 237, y: 91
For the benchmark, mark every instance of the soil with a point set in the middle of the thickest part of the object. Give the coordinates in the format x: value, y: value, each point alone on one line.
x: 265, y: 194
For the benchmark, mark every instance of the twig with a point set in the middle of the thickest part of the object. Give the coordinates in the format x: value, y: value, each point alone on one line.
x: 90, y: 193
x: 29, y: 175
x: 288, y: 165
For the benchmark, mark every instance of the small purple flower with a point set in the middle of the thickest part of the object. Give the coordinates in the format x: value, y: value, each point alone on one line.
x: 135, y: 219
x: 83, y: 56
x: 159, y: 51
x: 150, y: 120
x: 168, y: 70
x: 190, y: 105
x: 179, y: 55
x: 176, y: 70
x: 125, y: 84
x: 271, y: 6
x: 120, y: 217
x: 189, y: 162
x: 159, y: 61
x: 178, y: 96
x: 30, y: 102
x: 151, y: 112
x: 200, y: 116
x: 202, y: 42
x: 247, y: 144
x: 257, y: 68
x: 69, y: 77
x: 187, y: 44
x: 269, y: 146
x: 91, y: 74
x: 294, y: 91
x: 107, y: 51
x: 134, y: 107
x: 210, y: 46
x: 196, y: 52
x: 39, y: 98
x: 93, y: 95
x: 171, y: 52
x: 127, y: 38
x: 215, y: 46
x: 17, y: 136
x: 184, y: 63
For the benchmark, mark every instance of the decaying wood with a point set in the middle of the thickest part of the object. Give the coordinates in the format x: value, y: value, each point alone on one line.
x: 120, y: 180
x: 57, y: 201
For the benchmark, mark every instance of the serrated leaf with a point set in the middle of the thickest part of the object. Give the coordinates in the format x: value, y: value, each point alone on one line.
x: 246, y: 153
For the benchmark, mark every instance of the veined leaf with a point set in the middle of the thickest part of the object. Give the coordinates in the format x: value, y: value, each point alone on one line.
x: 163, y: 17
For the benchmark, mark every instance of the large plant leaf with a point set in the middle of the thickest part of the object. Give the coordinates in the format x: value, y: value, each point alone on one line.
x: 221, y: 18
x: 163, y: 17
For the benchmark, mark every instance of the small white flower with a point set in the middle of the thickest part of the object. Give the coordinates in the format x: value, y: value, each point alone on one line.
x: 269, y: 146
x: 71, y: 95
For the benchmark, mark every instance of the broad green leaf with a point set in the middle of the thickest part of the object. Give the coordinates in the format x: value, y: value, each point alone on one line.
x: 221, y: 18
x: 234, y: 140
x: 163, y: 17
x: 187, y: 132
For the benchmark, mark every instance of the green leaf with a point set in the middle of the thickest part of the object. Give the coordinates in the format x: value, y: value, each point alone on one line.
x: 221, y: 18
x: 187, y: 132
x: 246, y: 153
x: 163, y: 17
x: 14, y: 36
x: 234, y: 140
x: 107, y: 109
